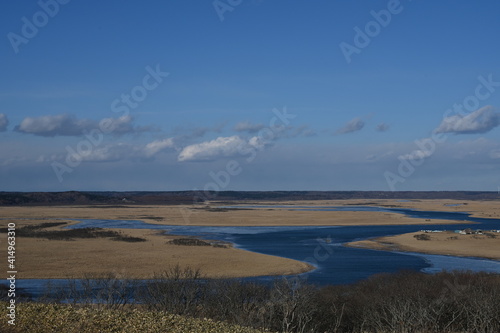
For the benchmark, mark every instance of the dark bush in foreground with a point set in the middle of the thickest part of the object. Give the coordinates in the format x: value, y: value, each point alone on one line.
x: 413, y: 302
x: 403, y: 302
x: 45, y: 318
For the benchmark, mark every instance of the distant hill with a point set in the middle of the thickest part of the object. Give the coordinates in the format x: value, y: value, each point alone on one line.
x: 93, y: 198
x: 190, y: 197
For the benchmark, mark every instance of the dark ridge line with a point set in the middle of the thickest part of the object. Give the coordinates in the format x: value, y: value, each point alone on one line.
x: 127, y: 198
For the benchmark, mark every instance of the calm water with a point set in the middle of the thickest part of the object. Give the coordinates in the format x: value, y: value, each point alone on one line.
x: 322, y: 246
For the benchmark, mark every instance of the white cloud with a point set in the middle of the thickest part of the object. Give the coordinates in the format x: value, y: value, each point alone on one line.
x: 480, y: 121
x: 68, y: 125
x: 234, y: 145
x: 112, y: 152
x: 220, y: 147
x: 119, y: 125
x: 4, y: 122
x: 354, y: 125
x: 258, y: 142
x: 157, y: 146
x: 121, y: 151
x: 62, y: 124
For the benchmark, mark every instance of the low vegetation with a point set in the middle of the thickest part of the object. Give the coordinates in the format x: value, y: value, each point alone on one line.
x: 40, y: 231
x: 403, y: 302
x: 422, y: 237
x: 196, y: 242
x: 189, y: 242
x: 44, y: 318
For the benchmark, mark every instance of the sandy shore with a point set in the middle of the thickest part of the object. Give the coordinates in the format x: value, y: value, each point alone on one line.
x: 39, y: 258
x: 446, y: 243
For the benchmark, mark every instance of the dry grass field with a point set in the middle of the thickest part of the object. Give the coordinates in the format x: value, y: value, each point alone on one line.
x: 447, y: 243
x: 210, y: 215
x: 43, y: 258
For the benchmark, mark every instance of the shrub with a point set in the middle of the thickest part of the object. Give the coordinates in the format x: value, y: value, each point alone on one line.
x: 38, y: 231
x: 189, y: 242
x: 422, y: 237
x: 404, y: 302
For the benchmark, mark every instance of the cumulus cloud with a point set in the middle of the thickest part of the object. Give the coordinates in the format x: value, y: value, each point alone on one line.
x: 238, y: 145
x: 121, y: 125
x: 68, y: 125
x: 222, y: 146
x: 112, y: 152
x: 382, y: 127
x: 157, y: 146
x: 480, y: 121
x: 354, y: 125
x: 4, y: 122
x: 63, y: 124
x: 248, y: 127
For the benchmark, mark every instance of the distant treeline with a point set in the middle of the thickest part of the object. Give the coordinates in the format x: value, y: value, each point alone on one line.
x: 193, y: 197
x: 402, y: 302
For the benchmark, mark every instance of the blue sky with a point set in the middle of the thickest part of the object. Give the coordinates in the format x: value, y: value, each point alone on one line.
x: 249, y: 95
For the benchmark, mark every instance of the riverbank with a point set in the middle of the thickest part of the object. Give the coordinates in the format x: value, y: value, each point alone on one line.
x: 41, y: 258
x: 44, y: 258
x: 485, y: 245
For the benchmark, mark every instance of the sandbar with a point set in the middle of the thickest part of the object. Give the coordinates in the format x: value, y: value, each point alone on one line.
x: 485, y: 245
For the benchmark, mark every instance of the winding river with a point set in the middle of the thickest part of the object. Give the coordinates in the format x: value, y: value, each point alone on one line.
x: 322, y: 245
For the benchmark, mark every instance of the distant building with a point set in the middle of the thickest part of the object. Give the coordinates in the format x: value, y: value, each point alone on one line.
x: 468, y: 231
